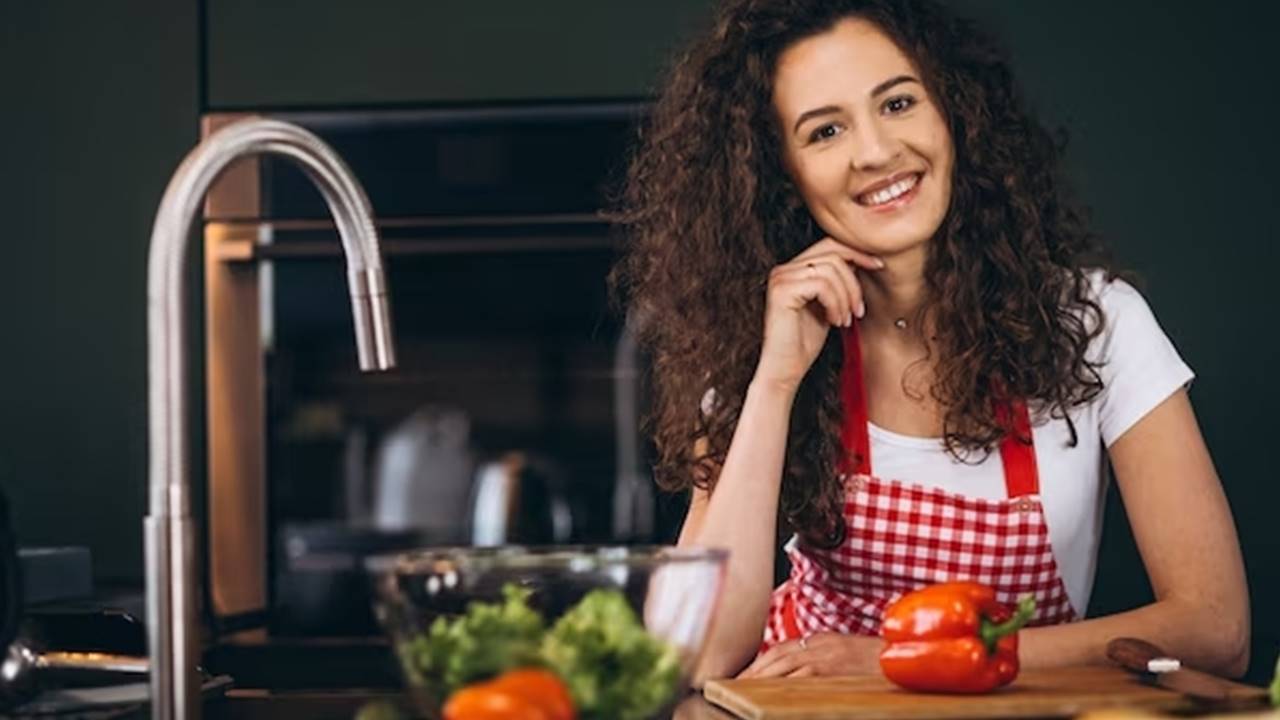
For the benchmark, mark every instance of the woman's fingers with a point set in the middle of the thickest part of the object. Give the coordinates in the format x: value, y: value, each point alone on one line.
x: 782, y: 666
x: 803, y: 671
x: 829, y: 245
x: 774, y: 662
x: 805, y: 298
x: 823, y: 274
x: 841, y: 281
x: 768, y: 656
x: 850, y: 281
x: 795, y: 287
x: 837, y: 270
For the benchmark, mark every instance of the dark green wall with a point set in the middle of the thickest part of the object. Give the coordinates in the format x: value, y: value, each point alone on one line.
x: 99, y: 105
x: 323, y: 52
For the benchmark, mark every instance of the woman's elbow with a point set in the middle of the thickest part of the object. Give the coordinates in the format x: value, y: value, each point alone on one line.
x: 1233, y: 649
x: 1227, y: 635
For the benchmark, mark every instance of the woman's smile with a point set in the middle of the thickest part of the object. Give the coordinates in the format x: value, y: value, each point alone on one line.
x: 891, y: 194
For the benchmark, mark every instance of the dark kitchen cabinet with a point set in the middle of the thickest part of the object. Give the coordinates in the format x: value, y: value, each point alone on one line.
x: 335, y: 52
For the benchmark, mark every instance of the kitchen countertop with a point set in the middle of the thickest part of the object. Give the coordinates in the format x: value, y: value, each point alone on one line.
x: 331, y: 680
x: 342, y: 705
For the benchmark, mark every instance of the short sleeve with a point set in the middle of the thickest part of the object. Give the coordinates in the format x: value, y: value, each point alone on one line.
x: 1141, y: 368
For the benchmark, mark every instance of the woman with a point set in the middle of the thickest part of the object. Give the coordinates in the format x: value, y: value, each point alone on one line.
x: 851, y: 242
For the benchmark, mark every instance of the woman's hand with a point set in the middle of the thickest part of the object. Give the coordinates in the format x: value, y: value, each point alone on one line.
x: 821, y: 654
x: 807, y: 296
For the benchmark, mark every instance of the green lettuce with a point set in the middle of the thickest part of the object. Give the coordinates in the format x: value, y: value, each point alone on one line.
x: 489, y: 639
x: 613, y: 667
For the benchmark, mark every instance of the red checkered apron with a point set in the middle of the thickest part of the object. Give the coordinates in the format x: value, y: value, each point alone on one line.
x: 902, y: 536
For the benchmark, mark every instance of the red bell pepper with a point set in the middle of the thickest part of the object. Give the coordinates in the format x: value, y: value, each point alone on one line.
x: 952, y: 638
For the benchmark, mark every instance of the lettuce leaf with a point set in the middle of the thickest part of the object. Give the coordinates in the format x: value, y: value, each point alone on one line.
x: 613, y: 667
x: 489, y: 639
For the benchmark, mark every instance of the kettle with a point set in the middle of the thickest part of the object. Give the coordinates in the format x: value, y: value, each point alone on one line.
x: 519, y: 499
x: 423, y: 474
x: 427, y: 480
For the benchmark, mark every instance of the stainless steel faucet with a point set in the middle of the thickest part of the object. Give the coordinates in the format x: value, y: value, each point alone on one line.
x: 172, y: 586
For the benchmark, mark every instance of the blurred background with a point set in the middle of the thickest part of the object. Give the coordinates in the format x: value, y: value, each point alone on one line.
x: 485, y: 134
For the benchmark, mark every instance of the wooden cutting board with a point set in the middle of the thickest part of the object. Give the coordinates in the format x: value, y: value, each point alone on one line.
x: 1059, y: 693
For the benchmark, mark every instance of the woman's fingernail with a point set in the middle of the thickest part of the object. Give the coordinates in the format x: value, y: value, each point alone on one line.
x: 879, y: 263
x: 848, y: 320
x: 862, y: 309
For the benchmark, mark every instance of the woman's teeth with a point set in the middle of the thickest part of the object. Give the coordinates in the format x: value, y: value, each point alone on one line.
x: 891, y: 193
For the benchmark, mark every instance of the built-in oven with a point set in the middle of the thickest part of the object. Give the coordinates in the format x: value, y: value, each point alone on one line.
x: 513, y: 414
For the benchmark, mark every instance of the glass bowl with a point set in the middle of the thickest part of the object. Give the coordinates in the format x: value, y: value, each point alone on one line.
x: 622, y: 628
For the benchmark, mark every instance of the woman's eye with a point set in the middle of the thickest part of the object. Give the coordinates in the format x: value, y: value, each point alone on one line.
x: 824, y: 132
x: 899, y: 104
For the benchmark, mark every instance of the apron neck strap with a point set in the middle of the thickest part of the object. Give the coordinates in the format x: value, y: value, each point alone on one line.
x: 1017, y: 449
x: 854, y: 435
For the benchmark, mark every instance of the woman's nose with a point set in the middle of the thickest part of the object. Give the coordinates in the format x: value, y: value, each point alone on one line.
x: 873, y: 147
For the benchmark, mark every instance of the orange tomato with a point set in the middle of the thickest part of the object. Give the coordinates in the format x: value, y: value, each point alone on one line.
x: 487, y: 701
x: 541, y: 687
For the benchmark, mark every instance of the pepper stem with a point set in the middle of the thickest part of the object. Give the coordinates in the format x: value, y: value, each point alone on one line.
x: 990, y: 632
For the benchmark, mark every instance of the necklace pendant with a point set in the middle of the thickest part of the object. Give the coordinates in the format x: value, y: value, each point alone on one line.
x: 900, y: 323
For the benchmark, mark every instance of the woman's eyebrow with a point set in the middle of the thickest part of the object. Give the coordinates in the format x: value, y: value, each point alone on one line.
x: 808, y: 114
x: 891, y: 83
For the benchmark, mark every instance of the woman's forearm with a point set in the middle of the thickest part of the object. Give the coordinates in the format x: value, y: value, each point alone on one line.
x: 741, y: 516
x: 1205, y: 637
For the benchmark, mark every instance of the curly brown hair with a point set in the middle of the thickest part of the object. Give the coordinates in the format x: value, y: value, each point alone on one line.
x: 708, y: 210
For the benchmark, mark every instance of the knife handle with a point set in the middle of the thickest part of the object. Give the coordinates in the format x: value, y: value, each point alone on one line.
x: 1133, y: 654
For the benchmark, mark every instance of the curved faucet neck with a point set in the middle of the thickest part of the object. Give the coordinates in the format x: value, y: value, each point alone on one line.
x: 171, y: 584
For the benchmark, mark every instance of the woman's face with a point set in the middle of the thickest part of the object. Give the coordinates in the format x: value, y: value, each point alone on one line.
x: 869, y: 151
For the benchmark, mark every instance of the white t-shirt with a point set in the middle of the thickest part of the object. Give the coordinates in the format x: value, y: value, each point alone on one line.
x: 1141, y: 369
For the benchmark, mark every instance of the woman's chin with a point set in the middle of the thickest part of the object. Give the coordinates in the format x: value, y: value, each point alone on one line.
x: 876, y: 237
x: 884, y: 235
x: 891, y: 246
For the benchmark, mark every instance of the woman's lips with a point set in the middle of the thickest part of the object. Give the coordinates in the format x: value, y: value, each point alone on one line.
x: 867, y: 200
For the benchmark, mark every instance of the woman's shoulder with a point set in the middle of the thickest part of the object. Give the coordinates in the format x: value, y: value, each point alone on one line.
x: 1112, y: 292
x: 1138, y: 362
x: 1125, y: 313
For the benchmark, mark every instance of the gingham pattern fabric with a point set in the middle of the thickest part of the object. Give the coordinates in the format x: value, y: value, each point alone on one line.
x: 901, y: 536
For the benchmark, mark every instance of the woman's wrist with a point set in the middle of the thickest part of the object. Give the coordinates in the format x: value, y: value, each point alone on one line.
x: 773, y: 388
